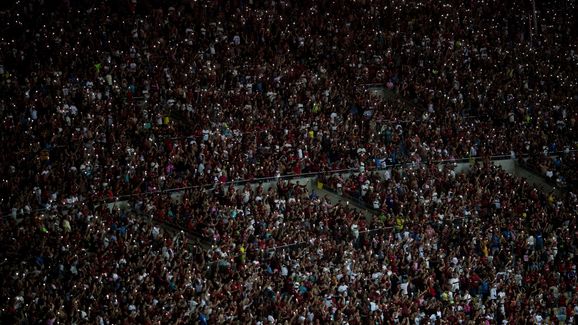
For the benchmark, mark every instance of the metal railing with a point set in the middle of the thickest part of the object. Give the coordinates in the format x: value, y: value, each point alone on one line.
x: 289, y: 176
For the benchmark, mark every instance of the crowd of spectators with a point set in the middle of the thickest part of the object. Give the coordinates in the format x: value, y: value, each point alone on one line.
x: 124, y: 98
x: 476, y: 247
x: 559, y: 171
x: 110, y: 101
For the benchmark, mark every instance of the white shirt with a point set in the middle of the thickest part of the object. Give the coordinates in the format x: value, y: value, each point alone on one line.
x: 455, y: 283
x: 403, y: 287
x: 493, y: 293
